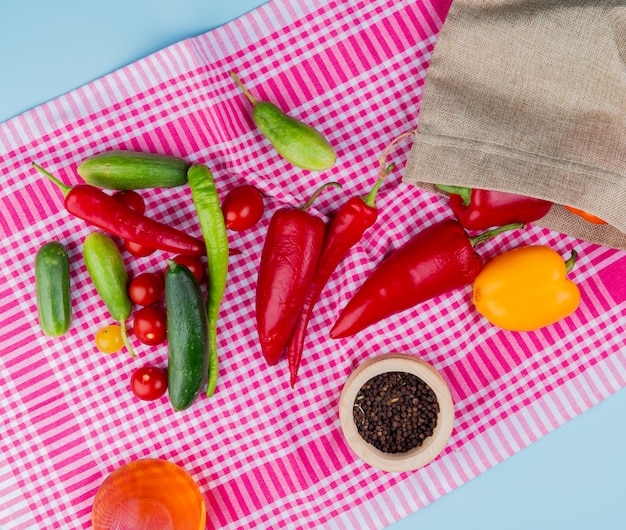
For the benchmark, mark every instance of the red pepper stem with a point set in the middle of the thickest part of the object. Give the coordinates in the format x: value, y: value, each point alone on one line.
x: 462, y: 191
x: 64, y: 187
x: 315, y: 195
x: 569, y: 264
x: 487, y: 235
x: 384, y: 168
x: 370, y: 198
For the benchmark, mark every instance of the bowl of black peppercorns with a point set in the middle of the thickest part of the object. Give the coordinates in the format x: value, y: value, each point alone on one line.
x: 396, y: 412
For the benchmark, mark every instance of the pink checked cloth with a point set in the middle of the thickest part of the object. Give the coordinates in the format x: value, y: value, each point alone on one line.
x: 264, y: 455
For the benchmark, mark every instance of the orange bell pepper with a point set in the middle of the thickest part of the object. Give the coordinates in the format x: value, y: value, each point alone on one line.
x: 526, y: 288
x: 586, y: 216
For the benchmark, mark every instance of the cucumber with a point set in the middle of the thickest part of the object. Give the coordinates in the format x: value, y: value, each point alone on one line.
x: 295, y: 141
x: 52, y: 285
x: 130, y: 170
x: 108, y: 273
x: 187, y: 336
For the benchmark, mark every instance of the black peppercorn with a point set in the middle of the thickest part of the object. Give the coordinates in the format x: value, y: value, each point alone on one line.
x: 395, y: 412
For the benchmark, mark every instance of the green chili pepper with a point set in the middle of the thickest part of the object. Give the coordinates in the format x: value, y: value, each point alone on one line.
x: 207, y: 204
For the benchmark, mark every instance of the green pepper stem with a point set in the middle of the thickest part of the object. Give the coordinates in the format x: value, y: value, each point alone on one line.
x: 315, y: 195
x: 569, y: 264
x: 247, y: 93
x: 487, y: 235
x: 64, y: 187
x: 463, y: 192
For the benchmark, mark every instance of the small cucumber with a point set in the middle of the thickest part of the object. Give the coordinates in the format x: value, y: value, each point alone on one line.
x: 108, y: 273
x: 297, y: 142
x: 130, y: 170
x: 187, y: 336
x: 52, y: 280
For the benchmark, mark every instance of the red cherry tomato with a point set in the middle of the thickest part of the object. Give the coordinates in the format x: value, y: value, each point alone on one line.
x: 148, y: 383
x: 242, y: 207
x: 150, y: 325
x: 193, y: 263
x: 134, y: 201
x: 146, y: 288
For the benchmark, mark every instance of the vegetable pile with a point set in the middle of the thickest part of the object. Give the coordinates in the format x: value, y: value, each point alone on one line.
x: 186, y: 321
x: 300, y: 253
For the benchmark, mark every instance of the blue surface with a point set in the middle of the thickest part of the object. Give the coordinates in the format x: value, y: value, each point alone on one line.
x: 574, y: 478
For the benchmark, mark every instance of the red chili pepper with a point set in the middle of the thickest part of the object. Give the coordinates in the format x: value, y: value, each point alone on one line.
x: 478, y: 209
x: 346, y: 229
x: 435, y: 261
x: 103, y: 211
x: 290, y: 253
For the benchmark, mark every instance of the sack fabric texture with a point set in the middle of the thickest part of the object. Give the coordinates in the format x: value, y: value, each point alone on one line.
x: 529, y: 97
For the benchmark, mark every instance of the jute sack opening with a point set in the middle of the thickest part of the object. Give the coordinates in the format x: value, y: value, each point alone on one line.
x: 529, y: 97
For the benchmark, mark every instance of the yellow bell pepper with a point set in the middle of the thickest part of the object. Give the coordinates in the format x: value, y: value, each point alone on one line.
x: 526, y: 289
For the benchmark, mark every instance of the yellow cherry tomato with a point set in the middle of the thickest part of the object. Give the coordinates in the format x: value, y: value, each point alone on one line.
x: 109, y: 339
x: 526, y: 288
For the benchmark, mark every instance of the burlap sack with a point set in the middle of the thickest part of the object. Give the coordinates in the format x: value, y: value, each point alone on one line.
x: 529, y: 96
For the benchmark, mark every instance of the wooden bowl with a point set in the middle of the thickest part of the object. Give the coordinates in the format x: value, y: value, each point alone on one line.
x: 414, y: 458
